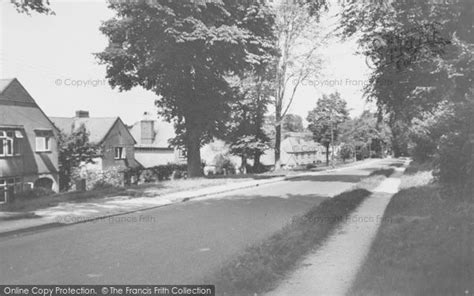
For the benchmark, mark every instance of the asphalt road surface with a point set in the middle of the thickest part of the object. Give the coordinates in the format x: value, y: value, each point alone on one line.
x: 177, y: 244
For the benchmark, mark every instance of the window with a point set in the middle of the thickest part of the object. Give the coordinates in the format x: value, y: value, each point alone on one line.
x: 8, y: 187
x: 42, y: 143
x: 119, y: 153
x: 43, y: 140
x: 9, y: 143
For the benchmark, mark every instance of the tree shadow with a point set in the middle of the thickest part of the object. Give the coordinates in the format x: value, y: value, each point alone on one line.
x: 330, y: 178
x: 244, y: 176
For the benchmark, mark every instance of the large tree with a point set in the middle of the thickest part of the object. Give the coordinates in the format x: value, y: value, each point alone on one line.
x: 367, y: 130
x: 422, y: 48
x: 326, y: 118
x: 299, y: 39
x: 246, y: 129
x: 186, y: 52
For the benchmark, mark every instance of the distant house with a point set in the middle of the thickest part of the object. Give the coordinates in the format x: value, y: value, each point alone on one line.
x: 152, y: 147
x: 110, y: 133
x: 28, y: 145
x: 296, y: 149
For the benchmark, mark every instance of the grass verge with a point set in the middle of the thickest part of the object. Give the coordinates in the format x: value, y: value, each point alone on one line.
x: 96, y: 195
x: 260, y: 267
x: 425, y: 245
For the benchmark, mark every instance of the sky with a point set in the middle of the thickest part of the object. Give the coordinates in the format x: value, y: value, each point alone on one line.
x: 52, y: 56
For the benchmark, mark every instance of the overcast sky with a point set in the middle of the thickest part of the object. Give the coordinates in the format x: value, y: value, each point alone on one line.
x: 52, y: 55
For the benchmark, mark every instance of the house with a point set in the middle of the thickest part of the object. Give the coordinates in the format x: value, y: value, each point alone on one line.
x: 28, y: 143
x: 153, y: 147
x: 109, y: 133
x: 296, y: 149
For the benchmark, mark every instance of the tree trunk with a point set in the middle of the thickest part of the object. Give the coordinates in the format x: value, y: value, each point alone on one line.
x: 327, y: 154
x: 277, y: 146
x: 256, y: 162
x: 193, y: 146
x: 397, y: 150
x: 243, y: 167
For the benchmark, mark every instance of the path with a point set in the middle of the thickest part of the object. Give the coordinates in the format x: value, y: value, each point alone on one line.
x: 333, y: 267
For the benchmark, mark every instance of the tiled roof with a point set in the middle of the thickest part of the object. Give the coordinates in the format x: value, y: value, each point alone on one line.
x: 98, y: 127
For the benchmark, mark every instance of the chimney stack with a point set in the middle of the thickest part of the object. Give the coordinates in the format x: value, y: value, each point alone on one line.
x: 82, y: 114
x: 147, y: 126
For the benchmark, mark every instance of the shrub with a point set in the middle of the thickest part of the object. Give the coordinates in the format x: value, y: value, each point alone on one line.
x: 345, y: 152
x: 34, y: 193
x: 156, y: 173
x: 224, y: 165
x: 455, y: 157
x: 99, y: 178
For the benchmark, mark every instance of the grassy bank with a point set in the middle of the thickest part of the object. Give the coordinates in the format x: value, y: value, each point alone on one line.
x: 261, y: 267
x: 425, y: 245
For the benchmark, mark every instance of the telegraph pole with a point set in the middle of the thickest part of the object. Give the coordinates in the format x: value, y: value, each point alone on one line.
x: 332, y: 139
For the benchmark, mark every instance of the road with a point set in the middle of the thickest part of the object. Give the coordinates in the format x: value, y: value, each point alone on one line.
x: 175, y: 244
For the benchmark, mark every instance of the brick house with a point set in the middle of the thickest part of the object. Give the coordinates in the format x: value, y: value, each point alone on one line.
x: 28, y: 143
x: 110, y: 133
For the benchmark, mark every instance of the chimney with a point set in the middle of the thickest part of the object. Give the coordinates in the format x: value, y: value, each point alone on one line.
x: 147, y: 126
x: 82, y: 114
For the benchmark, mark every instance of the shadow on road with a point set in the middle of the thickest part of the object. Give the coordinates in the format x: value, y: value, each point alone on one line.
x: 330, y: 178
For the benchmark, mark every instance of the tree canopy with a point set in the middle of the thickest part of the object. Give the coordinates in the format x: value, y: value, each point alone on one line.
x: 326, y: 118
x: 187, y: 52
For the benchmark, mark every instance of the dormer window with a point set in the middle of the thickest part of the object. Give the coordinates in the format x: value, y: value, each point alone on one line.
x: 43, y: 140
x: 9, y: 143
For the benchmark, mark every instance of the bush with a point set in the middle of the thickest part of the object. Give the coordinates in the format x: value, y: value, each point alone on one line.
x: 362, y: 152
x: 156, y: 173
x: 224, y: 165
x: 345, y: 152
x: 34, y: 193
x: 98, y: 178
x: 455, y: 155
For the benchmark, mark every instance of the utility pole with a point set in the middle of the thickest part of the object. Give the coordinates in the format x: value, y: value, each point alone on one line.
x: 332, y: 138
x: 332, y: 144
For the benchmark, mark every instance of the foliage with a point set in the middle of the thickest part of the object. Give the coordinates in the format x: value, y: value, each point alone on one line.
x: 248, y: 146
x: 98, y: 178
x: 156, y: 173
x: 292, y: 123
x: 346, y: 152
x: 367, y: 130
x: 74, y: 150
x: 34, y: 193
x: 246, y: 128
x: 28, y: 6
x: 299, y: 39
x: 326, y: 118
x: 186, y: 52
x: 455, y: 155
x: 425, y: 50
x: 224, y: 164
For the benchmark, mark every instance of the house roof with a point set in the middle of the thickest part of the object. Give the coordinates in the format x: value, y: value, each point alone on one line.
x: 98, y: 127
x: 300, y: 145
x: 18, y: 110
x: 18, y: 106
x: 4, y: 84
